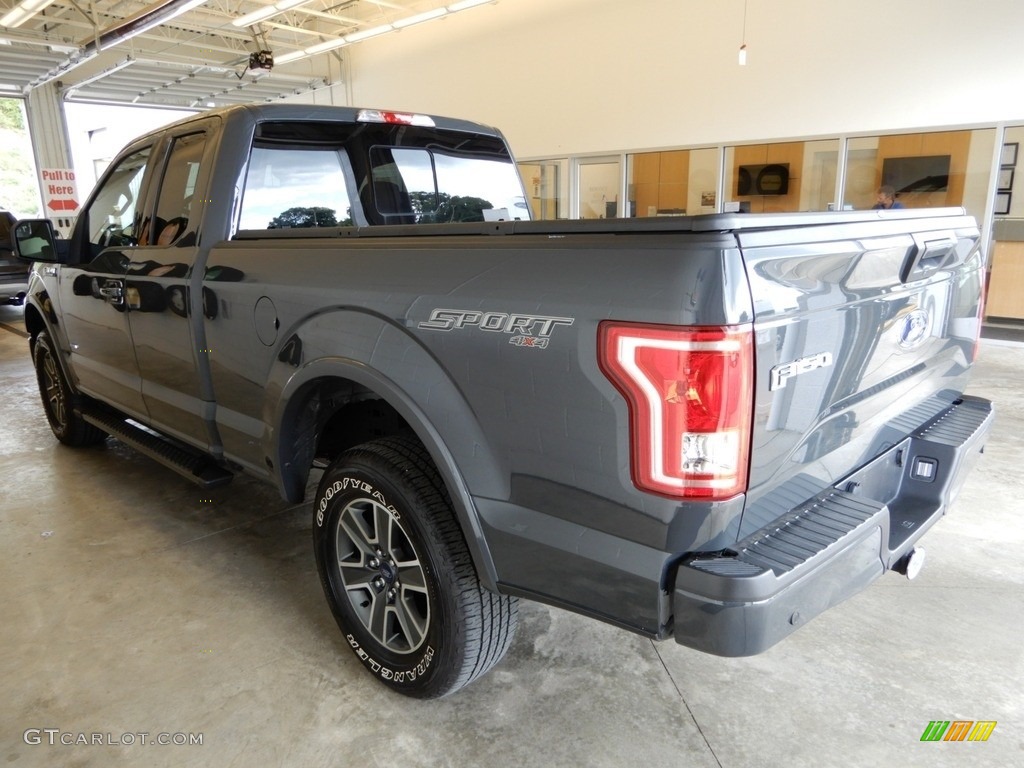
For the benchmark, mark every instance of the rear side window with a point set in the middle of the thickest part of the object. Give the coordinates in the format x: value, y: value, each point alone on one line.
x: 295, y: 187
x: 174, y: 223
x: 433, y: 186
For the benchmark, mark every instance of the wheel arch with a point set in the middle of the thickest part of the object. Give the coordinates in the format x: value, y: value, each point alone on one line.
x: 40, y: 316
x: 34, y: 322
x: 304, y: 397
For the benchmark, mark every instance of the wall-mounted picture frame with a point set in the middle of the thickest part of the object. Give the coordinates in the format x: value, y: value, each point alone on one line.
x: 1005, y: 179
x: 1008, y: 157
x: 1002, y: 207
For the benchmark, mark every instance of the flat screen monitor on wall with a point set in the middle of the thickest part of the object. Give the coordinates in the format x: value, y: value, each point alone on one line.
x: 772, y: 179
x: 916, y: 174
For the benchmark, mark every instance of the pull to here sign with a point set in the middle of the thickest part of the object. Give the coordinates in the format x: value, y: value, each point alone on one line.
x: 60, y: 191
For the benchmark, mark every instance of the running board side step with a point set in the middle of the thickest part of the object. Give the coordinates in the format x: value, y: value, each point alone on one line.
x: 186, y: 461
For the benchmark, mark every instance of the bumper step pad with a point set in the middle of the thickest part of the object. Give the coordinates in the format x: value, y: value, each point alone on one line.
x: 808, y: 533
x: 743, y: 600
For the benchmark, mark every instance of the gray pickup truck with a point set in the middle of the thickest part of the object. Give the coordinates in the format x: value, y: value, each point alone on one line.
x: 709, y: 428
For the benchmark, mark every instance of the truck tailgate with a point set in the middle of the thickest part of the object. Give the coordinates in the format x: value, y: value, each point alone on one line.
x: 861, y: 338
x: 863, y: 341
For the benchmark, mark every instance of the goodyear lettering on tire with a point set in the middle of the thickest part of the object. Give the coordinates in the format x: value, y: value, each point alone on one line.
x: 345, y: 484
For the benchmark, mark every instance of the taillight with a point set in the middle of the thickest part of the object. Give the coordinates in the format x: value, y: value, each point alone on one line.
x: 690, y: 396
x: 394, y: 118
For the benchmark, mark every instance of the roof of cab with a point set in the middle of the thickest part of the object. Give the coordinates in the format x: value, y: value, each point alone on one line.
x: 286, y: 111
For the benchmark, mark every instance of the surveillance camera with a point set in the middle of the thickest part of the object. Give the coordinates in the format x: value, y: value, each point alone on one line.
x: 261, y: 60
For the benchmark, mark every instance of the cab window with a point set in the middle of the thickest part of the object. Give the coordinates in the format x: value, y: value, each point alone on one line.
x: 295, y: 187
x: 435, y: 186
x: 112, y: 217
x: 173, y: 223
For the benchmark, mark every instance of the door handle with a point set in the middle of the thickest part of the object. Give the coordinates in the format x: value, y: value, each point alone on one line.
x: 113, y: 293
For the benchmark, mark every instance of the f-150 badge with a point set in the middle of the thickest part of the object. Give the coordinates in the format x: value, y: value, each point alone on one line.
x: 786, y: 371
x: 523, y: 330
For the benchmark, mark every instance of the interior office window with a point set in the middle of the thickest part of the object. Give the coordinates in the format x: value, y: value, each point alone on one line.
x: 547, y: 188
x: 174, y: 223
x: 673, y: 182
x: 818, y: 170
x: 925, y: 170
x: 295, y: 187
x: 765, y: 178
x: 599, y: 186
x: 113, y: 214
x: 1009, y: 183
x: 425, y: 186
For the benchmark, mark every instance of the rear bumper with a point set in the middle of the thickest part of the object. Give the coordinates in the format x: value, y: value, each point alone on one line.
x: 743, y: 601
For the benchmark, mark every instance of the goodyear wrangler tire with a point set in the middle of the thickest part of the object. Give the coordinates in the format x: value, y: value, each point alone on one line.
x: 398, y: 575
x: 59, y: 398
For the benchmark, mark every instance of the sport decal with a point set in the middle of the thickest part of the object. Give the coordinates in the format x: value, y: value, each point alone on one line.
x: 523, y: 330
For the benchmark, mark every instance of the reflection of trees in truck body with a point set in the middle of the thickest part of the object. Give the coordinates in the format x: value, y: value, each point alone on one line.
x: 442, y: 207
x: 302, y: 217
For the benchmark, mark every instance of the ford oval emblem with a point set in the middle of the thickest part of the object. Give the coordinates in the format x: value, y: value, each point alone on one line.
x: 914, y: 329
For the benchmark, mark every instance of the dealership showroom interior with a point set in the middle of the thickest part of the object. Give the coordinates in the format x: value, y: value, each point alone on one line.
x: 512, y: 383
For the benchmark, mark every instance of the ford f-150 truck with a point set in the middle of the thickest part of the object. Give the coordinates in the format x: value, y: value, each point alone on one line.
x: 709, y: 428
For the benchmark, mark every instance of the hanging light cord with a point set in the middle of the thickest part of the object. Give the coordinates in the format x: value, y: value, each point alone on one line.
x: 743, y: 41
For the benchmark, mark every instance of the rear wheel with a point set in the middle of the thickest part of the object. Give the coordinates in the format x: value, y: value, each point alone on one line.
x: 58, y: 398
x: 398, y: 575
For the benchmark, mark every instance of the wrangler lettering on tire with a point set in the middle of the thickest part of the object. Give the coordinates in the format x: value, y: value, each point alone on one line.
x: 398, y: 575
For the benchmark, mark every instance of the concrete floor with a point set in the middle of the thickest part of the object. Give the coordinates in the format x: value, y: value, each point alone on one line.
x: 131, y: 602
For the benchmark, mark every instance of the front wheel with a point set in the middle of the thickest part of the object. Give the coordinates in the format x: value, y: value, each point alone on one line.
x: 398, y: 575
x: 58, y: 397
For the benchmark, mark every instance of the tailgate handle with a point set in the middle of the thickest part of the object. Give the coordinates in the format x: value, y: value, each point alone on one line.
x: 926, y: 256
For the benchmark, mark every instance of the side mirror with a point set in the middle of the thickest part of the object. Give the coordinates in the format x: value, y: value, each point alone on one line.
x: 35, y: 240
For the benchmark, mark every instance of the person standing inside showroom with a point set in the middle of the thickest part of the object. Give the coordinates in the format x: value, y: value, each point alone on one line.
x: 885, y: 199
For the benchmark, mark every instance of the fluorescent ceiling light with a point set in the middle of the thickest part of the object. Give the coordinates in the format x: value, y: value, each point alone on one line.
x: 251, y: 18
x: 157, y: 19
x: 420, y: 18
x: 364, y: 34
x: 329, y: 45
x: 8, y: 38
x: 22, y: 12
x: 289, y: 57
x: 266, y: 12
x: 464, y: 4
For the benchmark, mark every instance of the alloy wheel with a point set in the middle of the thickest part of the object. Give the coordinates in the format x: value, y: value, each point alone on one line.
x: 382, y: 575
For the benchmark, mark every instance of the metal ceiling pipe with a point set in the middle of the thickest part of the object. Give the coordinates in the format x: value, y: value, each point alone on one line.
x: 146, y: 19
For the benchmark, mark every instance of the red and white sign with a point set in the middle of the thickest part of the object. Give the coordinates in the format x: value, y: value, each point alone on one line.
x: 60, y: 191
